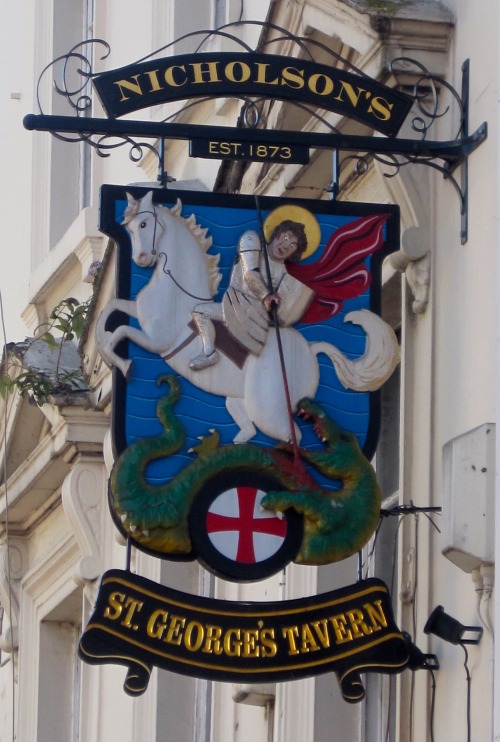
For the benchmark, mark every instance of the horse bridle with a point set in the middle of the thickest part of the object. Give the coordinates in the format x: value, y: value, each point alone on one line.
x: 167, y: 271
x: 157, y: 222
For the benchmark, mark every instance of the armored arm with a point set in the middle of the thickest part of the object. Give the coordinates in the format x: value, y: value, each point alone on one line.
x: 249, y: 252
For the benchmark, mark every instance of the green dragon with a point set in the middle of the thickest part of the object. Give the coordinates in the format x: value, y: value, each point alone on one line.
x: 337, y: 523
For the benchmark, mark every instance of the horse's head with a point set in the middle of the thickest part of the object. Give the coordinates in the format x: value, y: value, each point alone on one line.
x: 180, y: 242
x: 141, y: 220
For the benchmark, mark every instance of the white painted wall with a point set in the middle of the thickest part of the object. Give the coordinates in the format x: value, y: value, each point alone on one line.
x: 16, y: 100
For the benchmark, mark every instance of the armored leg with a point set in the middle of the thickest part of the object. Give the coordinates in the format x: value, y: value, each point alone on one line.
x: 203, y: 316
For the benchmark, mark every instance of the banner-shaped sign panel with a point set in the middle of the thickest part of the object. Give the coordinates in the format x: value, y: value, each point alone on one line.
x: 226, y: 74
x: 140, y: 624
x: 249, y: 348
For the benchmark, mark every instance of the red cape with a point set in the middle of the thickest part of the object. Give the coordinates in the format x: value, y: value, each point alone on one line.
x: 340, y: 273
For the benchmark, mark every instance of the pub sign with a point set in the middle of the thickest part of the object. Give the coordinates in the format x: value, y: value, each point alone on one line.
x: 248, y: 350
x: 242, y: 438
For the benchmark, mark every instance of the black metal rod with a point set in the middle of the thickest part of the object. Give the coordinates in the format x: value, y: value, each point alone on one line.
x: 128, y: 555
x: 274, y: 315
x: 453, y: 152
x: 410, y: 510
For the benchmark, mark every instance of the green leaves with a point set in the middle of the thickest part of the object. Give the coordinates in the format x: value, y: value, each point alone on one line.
x: 6, y: 385
x: 68, y: 318
x: 66, y: 323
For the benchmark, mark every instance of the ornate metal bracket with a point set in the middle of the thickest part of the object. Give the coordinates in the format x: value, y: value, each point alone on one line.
x: 429, y: 93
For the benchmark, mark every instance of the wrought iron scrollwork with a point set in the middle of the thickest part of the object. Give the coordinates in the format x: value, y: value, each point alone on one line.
x: 433, y: 99
x: 72, y: 77
x: 425, y: 91
x: 72, y: 74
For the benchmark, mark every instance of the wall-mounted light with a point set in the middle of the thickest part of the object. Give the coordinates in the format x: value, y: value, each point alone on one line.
x: 451, y: 630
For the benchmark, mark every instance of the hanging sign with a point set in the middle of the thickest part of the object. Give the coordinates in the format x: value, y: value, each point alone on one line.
x: 220, y: 74
x: 140, y: 624
x: 245, y: 405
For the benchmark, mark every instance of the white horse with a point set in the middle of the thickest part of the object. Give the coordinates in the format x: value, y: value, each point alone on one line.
x: 186, y: 275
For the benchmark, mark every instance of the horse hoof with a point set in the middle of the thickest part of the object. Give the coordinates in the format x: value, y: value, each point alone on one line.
x: 243, y: 436
x: 125, y: 369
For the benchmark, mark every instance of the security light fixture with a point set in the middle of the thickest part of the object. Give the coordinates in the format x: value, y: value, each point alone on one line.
x: 451, y: 630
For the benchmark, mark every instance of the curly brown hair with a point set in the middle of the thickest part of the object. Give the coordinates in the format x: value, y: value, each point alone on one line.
x: 299, y: 231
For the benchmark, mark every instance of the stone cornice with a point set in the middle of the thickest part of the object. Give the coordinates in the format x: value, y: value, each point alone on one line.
x: 73, y: 431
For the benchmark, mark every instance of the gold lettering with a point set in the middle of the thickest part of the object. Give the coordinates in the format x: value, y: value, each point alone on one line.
x: 346, y: 87
x: 213, y: 148
x: 309, y: 643
x: 153, y: 79
x: 201, y: 69
x: 356, y: 618
x: 232, y: 648
x: 225, y: 148
x: 269, y: 646
x: 339, y: 626
x: 289, y: 633
x: 322, y: 633
x: 133, y: 606
x: 380, y: 108
x: 170, y: 79
x: 133, y: 87
x: 250, y: 648
x: 212, y: 642
x: 244, y: 70
x: 174, y: 635
x: 320, y: 84
x: 261, y: 74
x: 157, y: 624
x: 376, y: 615
x: 292, y: 78
x: 116, y: 601
x: 190, y: 629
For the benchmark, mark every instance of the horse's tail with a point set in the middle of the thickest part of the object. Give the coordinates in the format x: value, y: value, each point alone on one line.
x: 375, y: 366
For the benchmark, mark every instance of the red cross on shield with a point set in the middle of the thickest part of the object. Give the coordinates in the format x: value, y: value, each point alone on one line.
x: 241, y: 530
x: 233, y: 536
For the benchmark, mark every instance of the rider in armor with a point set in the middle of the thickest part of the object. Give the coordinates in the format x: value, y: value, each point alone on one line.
x: 249, y: 299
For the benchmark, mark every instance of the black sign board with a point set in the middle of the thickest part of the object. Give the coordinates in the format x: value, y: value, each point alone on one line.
x: 255, y: 151
x: 187, y: 76
x: 140, y: 624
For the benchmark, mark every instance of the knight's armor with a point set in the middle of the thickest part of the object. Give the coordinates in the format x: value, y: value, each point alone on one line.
x: 242, y: 309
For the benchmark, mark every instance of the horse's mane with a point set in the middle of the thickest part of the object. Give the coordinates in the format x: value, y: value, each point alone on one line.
x: 204, y: 243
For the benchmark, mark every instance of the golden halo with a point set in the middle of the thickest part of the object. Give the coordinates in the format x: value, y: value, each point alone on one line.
x: 295, y: 214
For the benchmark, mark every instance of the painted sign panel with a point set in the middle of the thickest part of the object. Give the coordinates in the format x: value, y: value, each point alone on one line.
x: 186, y: 76
x: 140, y: 624
x: 245, y: 405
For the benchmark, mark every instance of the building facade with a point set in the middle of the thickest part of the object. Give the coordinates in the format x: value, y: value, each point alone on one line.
x: 436, y: 458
